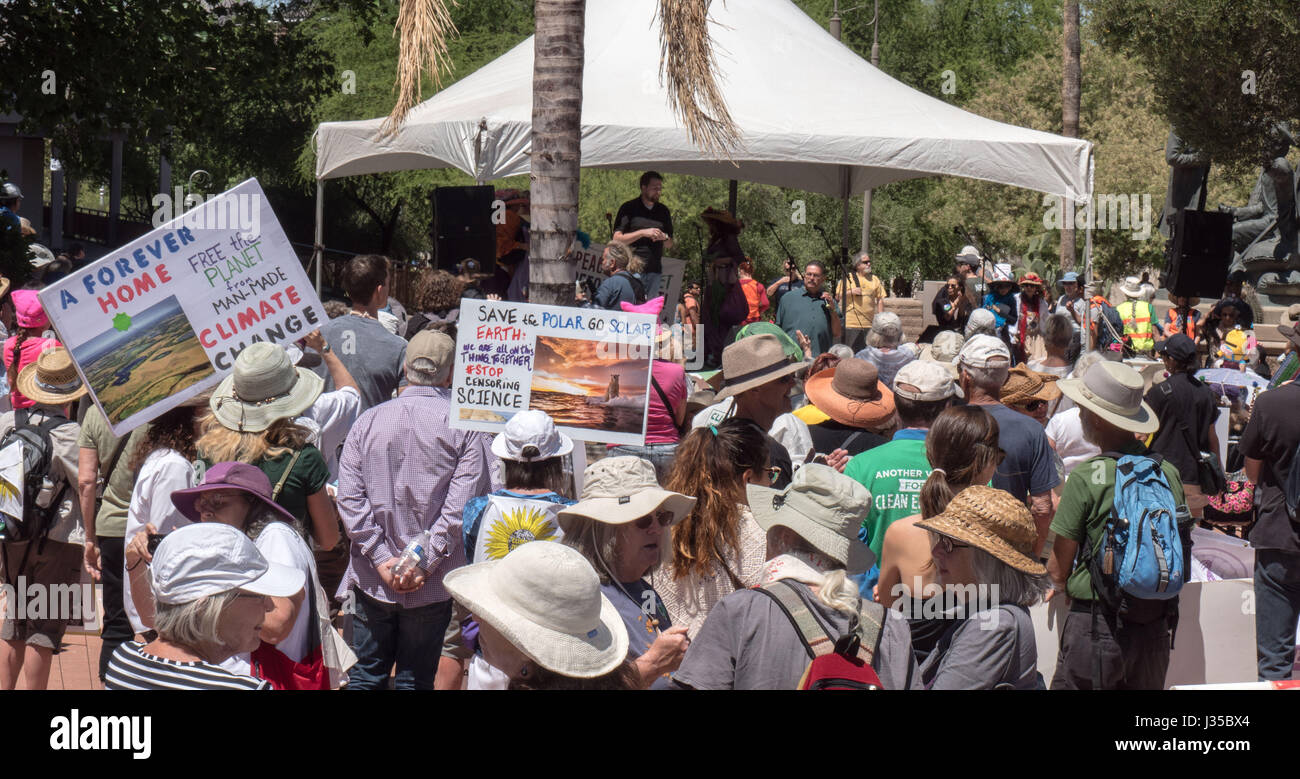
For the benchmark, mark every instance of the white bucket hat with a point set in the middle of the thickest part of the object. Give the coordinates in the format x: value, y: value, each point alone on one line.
x: 264, y: 387
x: 824, y: 507
x: 1113, y: 391
x: 208, y: 558
x: 1132, y: 287
x: 618, y: 490
x: 545, y: 599
x: 531, y: 428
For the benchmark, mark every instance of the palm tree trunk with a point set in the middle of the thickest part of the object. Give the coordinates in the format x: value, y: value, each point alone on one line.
x: 556, y: 149
x: 1070, y: 89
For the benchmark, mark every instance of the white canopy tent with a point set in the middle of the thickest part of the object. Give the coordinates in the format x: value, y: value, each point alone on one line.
x: 812, y: 115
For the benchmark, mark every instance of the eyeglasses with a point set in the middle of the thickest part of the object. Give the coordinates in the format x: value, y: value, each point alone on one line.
x: 665, y: 519
x: 215, y: 503
x: 1034, y: 407
x: 250, y: 595
x: 773, y: 472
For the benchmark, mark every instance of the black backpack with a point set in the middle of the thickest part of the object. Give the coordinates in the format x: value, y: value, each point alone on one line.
x: 638, y: 289
x: 41, y: 494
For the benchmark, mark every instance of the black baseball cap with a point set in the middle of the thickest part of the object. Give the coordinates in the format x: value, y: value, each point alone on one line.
x: 1179, y: 348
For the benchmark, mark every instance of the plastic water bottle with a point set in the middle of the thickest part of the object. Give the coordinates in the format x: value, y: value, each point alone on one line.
x: 412, y: 556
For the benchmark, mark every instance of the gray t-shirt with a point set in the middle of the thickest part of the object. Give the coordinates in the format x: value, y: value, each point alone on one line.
x: 993, y: 647
x: 371, y: 354
x: 748, y: 643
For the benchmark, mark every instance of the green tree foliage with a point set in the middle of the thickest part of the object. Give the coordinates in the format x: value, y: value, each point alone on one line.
x: 223, y: 87
x: 1224, y: 70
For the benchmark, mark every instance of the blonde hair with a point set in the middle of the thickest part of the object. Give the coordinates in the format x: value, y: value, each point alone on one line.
x: 219, y: 443
x: 624, y: 258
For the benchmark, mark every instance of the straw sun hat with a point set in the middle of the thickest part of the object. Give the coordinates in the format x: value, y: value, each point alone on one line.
x: 52, y: 379
x: 991, y: 520
x: 264, y: 387
x: 545, y: 599
x: 1025, y: 386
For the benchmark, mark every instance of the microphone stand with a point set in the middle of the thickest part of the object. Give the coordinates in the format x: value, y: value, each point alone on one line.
x: 842, y: 272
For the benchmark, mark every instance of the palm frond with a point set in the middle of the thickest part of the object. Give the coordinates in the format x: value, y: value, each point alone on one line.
x: 423, y: 28
x: 687, y: 61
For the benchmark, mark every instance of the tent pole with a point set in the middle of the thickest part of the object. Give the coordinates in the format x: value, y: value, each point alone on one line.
x: 1087, y: 245
x: 319, y: 249
x: 845, y: 174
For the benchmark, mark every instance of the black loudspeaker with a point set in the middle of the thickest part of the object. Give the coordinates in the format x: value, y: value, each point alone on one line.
x: 1200, y: 255
x: 462, y: 226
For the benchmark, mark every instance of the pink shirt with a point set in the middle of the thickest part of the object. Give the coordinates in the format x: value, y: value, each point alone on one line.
x: 32, y: 348
x: 659, y: 428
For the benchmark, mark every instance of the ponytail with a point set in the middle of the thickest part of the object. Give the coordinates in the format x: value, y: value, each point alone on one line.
x: 936, y: 494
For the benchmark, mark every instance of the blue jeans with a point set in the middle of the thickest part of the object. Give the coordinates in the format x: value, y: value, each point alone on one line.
x: 1277, y: 609
x: 384, y: 633
x: 659, y: 455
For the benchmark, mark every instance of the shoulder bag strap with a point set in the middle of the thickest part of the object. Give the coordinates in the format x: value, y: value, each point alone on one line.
x: 284, y: 477
x: 815, y: 640
x: 663, y: 398
x: 871, y: 627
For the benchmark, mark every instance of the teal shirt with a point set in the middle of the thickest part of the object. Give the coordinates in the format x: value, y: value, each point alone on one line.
x: 894, y: 473
x: 799, y: 311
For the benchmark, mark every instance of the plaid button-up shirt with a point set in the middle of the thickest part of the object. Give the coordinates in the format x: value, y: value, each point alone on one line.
x: 404, y: 470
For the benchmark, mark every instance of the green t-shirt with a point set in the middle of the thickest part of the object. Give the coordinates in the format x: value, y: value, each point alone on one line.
x: 894, y: 473
x: 110, y: 521
x: 1086, y: 503
x: 309, y: 476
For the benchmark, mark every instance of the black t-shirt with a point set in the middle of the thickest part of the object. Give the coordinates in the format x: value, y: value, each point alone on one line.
x: 831, y: 435
x: 1271, y: 436
x: 633, y: 216
x: 1183, y: 397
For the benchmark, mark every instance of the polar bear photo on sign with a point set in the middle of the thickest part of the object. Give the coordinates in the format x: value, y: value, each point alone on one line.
x: 11, y: 480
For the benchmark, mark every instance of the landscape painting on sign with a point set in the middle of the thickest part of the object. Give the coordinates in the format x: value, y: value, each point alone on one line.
x: 579, y: 387
x: 142, y: 359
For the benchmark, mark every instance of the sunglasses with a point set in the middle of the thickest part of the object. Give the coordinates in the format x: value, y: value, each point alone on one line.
x: 949, y: 545
x: 1034, y: 407
x: 773, y: 472
x: 665, y: 519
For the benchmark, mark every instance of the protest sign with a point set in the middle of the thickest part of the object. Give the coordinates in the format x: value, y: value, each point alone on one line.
x: 588, y: 368
x: 670, y: 283
x: 161, y: 319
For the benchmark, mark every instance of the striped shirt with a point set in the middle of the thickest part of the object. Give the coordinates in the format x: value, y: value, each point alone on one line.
x: 130, y: 668
x: 404, y: 470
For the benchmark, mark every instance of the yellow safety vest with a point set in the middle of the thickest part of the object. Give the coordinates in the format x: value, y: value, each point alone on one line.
x: 1138, y: 327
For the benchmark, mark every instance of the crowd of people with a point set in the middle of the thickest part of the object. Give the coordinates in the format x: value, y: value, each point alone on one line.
x: 835, y: 493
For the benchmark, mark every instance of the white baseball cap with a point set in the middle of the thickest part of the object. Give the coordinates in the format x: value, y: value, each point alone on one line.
x: 531, y: 428
x: 932, y: 381
x: 208, y: 558
x: 981, y: 351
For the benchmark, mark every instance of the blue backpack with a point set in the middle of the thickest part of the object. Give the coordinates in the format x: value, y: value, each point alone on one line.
x: 1140, y: 554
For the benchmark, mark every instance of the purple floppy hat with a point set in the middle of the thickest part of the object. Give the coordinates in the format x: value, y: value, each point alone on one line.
x: 229, y: 475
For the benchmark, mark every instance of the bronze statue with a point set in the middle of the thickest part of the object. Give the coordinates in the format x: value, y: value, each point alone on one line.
x: 1188, y: 170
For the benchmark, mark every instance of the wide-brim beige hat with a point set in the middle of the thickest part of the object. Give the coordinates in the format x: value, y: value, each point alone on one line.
x: 545, y: 599
x: 264, y: 387
x: 752, y: 362
x: 619, y: 490
x: 991, y: 520
x: 51, y: 379
x: 1113, y: 391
